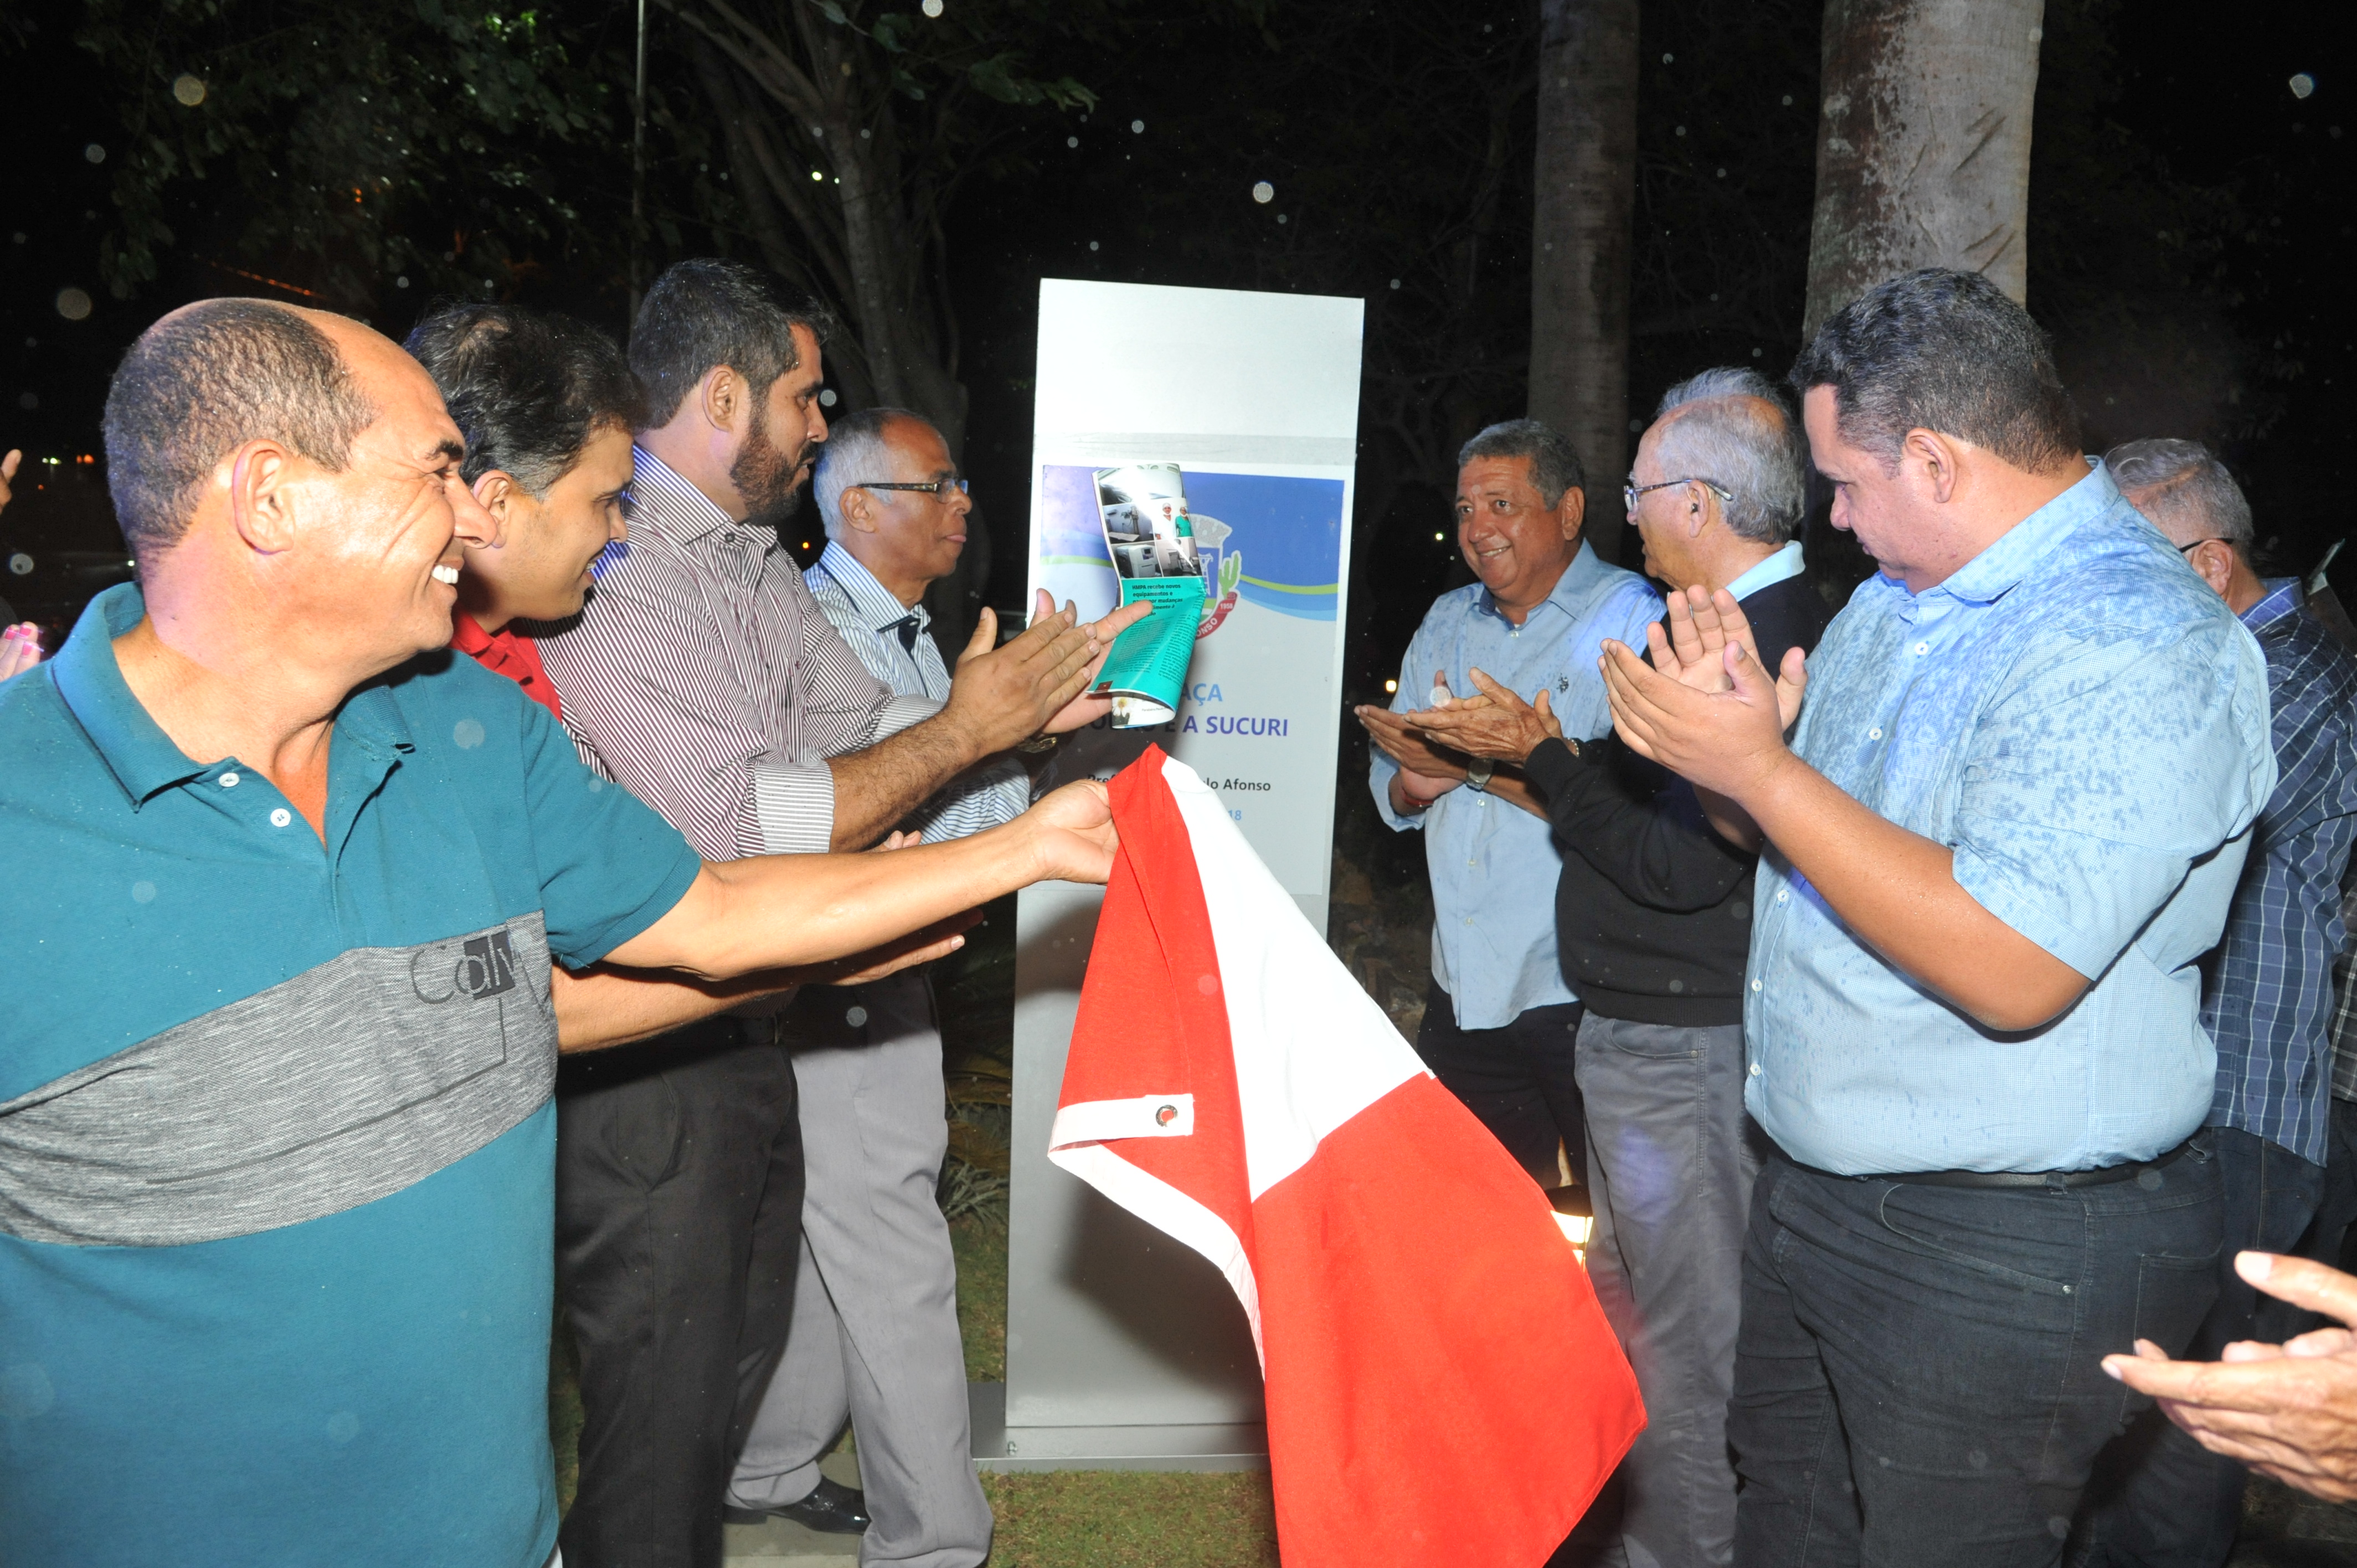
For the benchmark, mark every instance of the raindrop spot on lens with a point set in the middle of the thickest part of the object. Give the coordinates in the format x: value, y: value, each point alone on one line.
x: 25, y: 1391
x: 343, y: 1426
x: 189, y: 89
x: 826, y: 397
x: 97, y: 154
x: 931, y: 8
x: 2301, y: 86
x: 856, y: 1017
x: 468, y: 733
x: 1263, y: 192
x: 142, y: 892
x: 73, y: 304
x: 1138, y: 127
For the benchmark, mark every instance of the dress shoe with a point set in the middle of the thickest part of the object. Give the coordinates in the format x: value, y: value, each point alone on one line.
x: 831, y: 1509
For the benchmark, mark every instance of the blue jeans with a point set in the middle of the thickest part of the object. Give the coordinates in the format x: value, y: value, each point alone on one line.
x: 2160, y: 1499
x: 1918, y: 1381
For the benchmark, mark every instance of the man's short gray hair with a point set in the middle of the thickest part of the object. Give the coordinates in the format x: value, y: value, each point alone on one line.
x: 855, y: 453
x: 2182, y: 488
x: 1555, y: 467
x: 1736, y: 432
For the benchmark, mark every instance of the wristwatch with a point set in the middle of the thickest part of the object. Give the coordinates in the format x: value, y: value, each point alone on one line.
x: 1478, y: 772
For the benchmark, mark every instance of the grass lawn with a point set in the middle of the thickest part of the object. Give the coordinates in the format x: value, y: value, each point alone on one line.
x: 1132, y: 1518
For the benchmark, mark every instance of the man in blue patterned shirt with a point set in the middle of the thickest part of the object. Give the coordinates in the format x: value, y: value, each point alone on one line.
x: 2008, y: 827
x: 2265, y: 997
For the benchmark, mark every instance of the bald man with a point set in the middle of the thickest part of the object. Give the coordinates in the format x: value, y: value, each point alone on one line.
x: 276, y: 1053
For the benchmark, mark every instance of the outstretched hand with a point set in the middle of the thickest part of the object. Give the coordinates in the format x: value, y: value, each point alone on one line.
x: 2286, y: 1410
x: 8, y: 476
x: 1496, y: 724
x: 1091, y: 706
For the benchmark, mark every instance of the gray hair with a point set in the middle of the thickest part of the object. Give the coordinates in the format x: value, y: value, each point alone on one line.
x: 202, y: 382
x: 1736, y: 432
x: 1555, y: 467
x: 855, y: 453
x: 2183, y: 491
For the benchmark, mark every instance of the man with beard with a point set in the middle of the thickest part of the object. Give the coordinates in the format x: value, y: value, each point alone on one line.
x: 702, y: 677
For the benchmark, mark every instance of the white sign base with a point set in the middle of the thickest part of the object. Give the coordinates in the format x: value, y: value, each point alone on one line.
x: 1124, y: 1349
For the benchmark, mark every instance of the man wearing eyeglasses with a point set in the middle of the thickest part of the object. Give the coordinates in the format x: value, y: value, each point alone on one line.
x: 1653, y: 914
x: 702, y: 677
x: 875, y: 1334
x: 2266, y: 994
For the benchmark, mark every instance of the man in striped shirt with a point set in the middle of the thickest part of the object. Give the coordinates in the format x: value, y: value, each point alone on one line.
x: 2266, y: 991
x: 704, y: 678
x: 874, y: 1337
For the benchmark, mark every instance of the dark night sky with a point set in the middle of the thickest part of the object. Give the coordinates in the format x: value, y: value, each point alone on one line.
x: 2260, y: 359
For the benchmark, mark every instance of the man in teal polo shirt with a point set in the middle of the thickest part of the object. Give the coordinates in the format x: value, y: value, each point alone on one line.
x: 276, y: 1048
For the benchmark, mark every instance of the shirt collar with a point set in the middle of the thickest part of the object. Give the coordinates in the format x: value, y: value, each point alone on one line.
x: 133, y: 746
x: 2283, y: 597
x: 1784, y: 563
x: 2017, y: 551
x: 878, y: 605
x: 676, y: 509
x: 1571, y: 591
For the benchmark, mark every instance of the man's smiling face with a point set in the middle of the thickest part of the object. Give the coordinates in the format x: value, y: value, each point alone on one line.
x: 1516, y: 544
x: 384, y: 538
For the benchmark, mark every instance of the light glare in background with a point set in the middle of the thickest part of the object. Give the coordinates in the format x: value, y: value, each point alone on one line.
x: 189, y: 89
x: 73, y: 304
x: 2302, y: 85
x: 1263, y: 192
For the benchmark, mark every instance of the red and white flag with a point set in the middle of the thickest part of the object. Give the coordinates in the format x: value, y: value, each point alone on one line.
x: 1442, y: 1387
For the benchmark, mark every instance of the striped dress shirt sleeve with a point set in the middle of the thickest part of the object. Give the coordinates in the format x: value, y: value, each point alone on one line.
x: 995, y: 790
x: 703, y: 679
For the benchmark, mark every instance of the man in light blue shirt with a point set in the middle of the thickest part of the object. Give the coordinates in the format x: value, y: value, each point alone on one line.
x: 2007, y: 828
x: 875, y: 1334
x: 1498, y: 1023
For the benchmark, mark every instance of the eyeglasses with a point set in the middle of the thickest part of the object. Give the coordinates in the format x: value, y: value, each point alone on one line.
x: 2214, y: 539
x: 943, y: 489
x: 1629, y: 493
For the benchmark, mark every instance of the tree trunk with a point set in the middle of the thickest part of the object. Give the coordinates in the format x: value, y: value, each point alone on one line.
x: 1584, y: 188
x: 1922, y: 143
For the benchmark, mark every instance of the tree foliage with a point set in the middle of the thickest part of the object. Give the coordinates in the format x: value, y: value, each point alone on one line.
x: 442, y: 140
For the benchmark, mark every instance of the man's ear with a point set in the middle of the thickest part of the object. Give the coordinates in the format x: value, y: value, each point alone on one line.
x: 1938, y: 460
x: 261, y: 487
x: 721, y: 396
x: 858, y: 507
x: 498, y: 493
x: 1572, y: 510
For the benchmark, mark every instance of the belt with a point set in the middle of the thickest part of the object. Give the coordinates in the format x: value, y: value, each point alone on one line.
x: 2051, y: 1181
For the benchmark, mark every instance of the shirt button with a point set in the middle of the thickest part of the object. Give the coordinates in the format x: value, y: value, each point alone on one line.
x: 1874, y: 733
x: 1755, y: 986
x: 1468, y: 920
x: 1782, y: 894
x: 1754, y: 1069
x: 1473, y: 866
x: 281, y: 817
x: 1921, y: 648
x: 229, y: 781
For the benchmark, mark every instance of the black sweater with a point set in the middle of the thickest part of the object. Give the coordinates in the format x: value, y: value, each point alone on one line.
x: 1653, y: 914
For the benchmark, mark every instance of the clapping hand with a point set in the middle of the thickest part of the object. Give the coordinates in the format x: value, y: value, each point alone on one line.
x: 8, y: 473
x: 1496, y: 724
x: 1705, y: 708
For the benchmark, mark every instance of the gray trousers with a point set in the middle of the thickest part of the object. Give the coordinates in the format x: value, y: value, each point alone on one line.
x: 875, y: 1331
x: 1671, y: 1160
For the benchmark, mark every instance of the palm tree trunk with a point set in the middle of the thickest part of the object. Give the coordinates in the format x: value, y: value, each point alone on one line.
x: 1922, y: 143
x: 1584, y: 188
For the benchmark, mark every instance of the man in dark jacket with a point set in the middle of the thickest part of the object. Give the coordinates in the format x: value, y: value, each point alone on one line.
x: 1654, y: 918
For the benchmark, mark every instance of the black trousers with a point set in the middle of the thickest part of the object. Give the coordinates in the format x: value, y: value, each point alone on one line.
x: 679, y: 1200
x: 1516, y: 1079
